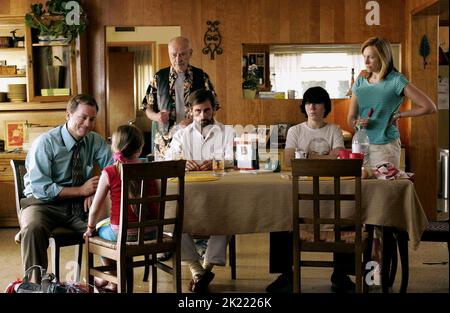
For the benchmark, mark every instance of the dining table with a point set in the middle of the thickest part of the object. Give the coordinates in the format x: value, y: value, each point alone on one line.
x: 260, y: 201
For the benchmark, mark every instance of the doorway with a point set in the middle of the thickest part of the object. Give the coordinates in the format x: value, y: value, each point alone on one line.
x: 133, y: 54
x: 129, y: 65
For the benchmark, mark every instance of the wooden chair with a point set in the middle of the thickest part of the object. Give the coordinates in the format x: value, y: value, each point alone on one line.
x: 60, y: 236
x: 333, y: 240
x: 436, y: 231
x: 124, y: 251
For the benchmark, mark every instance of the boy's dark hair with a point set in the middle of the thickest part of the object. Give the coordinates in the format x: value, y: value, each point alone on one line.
x: 316, y: 95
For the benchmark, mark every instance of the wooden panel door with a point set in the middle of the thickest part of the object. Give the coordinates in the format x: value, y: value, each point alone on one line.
x: 120, y: 88
x: 164, y: 60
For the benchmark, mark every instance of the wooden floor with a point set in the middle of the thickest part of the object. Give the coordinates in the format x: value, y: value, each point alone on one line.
x: 429, y: 263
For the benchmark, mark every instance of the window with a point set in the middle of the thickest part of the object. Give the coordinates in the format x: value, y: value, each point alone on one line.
x: 299, y: 67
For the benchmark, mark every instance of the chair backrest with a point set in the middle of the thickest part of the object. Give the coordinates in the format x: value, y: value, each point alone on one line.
x: 327, y: 168
x: 141, y: 175
x: 19, y: 170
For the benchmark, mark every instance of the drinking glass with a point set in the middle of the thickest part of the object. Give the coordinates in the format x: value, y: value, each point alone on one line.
x: 218, y: 163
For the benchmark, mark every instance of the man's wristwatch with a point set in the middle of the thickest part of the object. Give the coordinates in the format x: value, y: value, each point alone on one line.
x: 397, y: 115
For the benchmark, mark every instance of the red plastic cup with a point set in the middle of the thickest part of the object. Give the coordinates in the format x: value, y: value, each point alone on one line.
x: 356, y: 155
x: 344, y: 154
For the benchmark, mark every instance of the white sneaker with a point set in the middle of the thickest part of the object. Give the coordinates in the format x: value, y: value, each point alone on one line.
x: 17, y: 238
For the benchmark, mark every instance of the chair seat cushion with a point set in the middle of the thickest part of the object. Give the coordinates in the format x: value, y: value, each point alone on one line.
x: 328, y: 236
x: 438, y: 226
x: 112, y: 244
x: 436, y: 231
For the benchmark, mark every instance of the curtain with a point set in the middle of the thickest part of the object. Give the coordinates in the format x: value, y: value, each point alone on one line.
x: 287, y: 69
x: 143, y: 71
x: 300, y: 71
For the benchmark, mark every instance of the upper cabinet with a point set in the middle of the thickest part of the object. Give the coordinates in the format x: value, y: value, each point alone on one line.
x: 13, y: 60
x: 34, y: 69
x: 51, y: 68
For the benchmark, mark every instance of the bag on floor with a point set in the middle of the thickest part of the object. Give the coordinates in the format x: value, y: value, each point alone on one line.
x: 49, y: 284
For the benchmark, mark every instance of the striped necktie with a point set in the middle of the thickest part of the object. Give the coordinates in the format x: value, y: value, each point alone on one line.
x: 77, y: 180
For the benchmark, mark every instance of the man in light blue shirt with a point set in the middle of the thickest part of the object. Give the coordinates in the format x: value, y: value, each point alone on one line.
x: 53, y: 197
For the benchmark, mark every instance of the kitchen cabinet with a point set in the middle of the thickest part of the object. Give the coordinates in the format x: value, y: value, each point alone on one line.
x: 48, y: 69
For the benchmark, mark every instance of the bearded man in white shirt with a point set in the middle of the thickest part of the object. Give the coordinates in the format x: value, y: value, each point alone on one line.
x: 197, y: 143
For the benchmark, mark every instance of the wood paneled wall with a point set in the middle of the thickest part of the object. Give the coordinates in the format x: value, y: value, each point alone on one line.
x: 260, y: 21
x: 248, y: 21
x: 422, y: 19
x: 252, y: 21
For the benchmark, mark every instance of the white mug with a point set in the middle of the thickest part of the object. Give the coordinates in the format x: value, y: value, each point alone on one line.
x: 300, y: 154
x: 291, y: 93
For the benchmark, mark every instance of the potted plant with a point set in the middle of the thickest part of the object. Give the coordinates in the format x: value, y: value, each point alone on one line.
x: 250, y: 85
x: 61, y: 20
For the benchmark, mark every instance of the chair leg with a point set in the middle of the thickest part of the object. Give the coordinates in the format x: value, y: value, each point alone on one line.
x: 232, y: 256
x: 78, y: 257
x: 55, y: 253
x: 177, y: 271
x: 402, y: 239
x: 367, y: 256
x: 394, y: 263
x: 121, y: 275
x: 387, y: 243
x: 146, y: 268
x: 154, y: 274
x: 88, y: 264
x: 130, y: 275
x: 358, y: 270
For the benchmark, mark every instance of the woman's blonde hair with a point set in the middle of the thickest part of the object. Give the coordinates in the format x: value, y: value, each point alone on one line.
x: 384, y: 51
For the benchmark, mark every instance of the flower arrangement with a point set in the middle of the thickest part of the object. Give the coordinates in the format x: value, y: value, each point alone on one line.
x: 251, y: 79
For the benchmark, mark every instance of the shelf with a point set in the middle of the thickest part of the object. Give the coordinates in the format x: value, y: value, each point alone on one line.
x: 32, y: 106
x: 12, y: 49
x: 12, y: 76
x: 51, y: 44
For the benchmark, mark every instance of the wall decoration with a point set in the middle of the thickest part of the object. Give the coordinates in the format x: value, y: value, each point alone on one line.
x: 15, y: 132
x: 212, y: 39
x: 424, y: 50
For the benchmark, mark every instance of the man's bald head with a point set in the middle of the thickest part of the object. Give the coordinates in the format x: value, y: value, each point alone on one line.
x: 180, y: 53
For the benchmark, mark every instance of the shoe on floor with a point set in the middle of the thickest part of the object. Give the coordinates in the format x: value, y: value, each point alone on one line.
x: 18, y: 238
x: 200, y: 246
x: 164, y: 256
x: 283, y: 284
x: 200, y: 282
x: 342, y: 284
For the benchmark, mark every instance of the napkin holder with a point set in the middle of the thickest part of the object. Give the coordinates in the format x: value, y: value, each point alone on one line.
x: 246, y: 153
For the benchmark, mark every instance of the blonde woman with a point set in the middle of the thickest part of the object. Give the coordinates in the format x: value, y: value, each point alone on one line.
x: 382, y: 88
